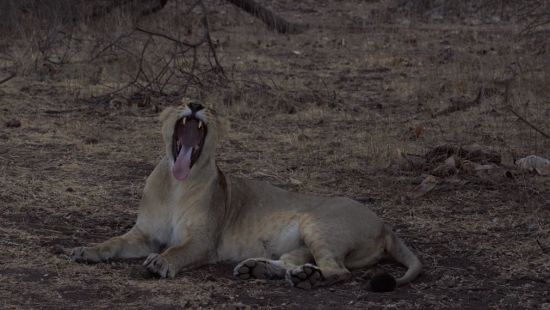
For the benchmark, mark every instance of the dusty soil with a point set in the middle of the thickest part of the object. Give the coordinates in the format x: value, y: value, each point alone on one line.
x: 327, y: 111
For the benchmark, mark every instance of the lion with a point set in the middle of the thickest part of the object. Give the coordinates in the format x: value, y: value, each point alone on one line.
x: 192, y: 214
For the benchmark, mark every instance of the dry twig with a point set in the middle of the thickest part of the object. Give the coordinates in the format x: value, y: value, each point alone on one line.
x: 521, y: 118
x: 11, y: 76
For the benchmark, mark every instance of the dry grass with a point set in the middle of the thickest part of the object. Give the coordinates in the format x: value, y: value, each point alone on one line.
x: 328, y: 111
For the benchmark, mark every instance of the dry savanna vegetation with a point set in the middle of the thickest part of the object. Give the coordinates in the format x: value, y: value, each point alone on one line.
x: 418, y: 108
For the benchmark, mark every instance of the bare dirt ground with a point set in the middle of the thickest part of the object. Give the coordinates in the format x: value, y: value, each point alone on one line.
x: 329, y: 112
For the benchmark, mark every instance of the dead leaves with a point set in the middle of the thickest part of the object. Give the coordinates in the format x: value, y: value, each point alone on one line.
x: 428, y: 184
x: 448, y: 167
x: 442, y: 152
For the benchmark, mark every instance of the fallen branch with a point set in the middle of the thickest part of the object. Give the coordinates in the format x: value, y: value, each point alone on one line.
x: 159, y: 6
x: 148, y: 7
x: 529, y: 124
x: 100, y: 11
x: 271, y: 19
x: 8, y: 78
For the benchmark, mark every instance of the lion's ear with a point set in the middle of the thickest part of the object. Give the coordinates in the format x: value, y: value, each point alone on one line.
x: 166, y: 113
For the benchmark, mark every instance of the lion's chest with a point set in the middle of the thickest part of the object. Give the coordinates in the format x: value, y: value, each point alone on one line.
x: 266, y: 239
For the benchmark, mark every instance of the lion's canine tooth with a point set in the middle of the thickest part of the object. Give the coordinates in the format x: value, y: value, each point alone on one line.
x: 200, y: 124
x: 183, y: 120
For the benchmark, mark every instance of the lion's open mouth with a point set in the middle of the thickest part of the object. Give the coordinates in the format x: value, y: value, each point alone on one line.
x: 188, y: 141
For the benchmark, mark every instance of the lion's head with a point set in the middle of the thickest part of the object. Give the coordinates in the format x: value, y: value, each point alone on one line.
x: 190, y: 132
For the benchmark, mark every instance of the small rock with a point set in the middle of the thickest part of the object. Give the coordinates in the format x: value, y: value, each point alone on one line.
x: 13, y: 123
x: 509, y: 175
x: 210, y: 278
x: 70, y: 189
x: 91, y: 140
x: 57, y: 249
x: 365, y: 199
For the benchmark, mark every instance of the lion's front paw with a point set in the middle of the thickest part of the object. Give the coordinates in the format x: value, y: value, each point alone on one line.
x: 158, y: 264
x: 306, y: 276
x: 85, y: 254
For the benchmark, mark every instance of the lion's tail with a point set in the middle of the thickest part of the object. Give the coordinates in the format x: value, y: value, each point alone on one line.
x: 397, y: 249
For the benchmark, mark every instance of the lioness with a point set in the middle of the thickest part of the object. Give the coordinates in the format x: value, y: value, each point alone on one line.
x: 193, y: 214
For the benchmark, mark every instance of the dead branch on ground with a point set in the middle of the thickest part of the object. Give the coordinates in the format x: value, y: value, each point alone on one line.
x: 11, y: 76
x: 521, y: 118
x: 143, y: 7
x: 271, y: 19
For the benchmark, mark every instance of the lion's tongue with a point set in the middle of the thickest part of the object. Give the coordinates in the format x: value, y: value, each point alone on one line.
x: 183, y: 163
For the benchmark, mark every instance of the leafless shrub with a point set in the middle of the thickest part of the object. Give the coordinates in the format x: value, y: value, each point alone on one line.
x: 117, y: 46
x: 163, y: 60
x: 122, y: 47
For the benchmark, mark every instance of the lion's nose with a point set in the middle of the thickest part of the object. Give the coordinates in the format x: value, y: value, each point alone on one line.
x: 195, y: 107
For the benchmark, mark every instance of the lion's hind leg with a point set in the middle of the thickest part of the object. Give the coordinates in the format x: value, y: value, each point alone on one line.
x: 259, y: 268
x: 328, y: 250
x: 263, y: 268
x: 301, y: 273
x: 326, y: 272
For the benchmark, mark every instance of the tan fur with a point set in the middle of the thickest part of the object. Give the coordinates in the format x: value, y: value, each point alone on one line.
x: 212, y: 217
